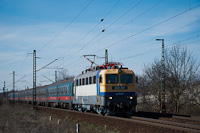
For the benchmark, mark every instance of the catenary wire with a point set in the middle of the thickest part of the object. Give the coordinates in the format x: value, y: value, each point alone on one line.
x: 94, y: 26
x: 49, y: 42
x: 147, y: 29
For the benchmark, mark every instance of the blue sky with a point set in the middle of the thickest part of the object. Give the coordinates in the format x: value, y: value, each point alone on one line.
x: 67, y: 29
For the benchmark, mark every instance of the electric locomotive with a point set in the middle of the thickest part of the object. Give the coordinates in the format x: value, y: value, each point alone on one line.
x: 106, y: 89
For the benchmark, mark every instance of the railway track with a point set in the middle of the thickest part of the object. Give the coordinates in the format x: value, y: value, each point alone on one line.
x: 168, y: 124
x: 126, y: 123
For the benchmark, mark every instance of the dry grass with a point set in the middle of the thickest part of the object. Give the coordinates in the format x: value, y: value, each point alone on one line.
x: 17, y: 119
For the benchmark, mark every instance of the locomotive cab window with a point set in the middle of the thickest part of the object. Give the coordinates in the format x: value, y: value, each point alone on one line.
x: 80, y: 82
x: 94, y: 79
x: 90, y: 80
x: 112, y: 78
x: 128, y: 78
x: 86, y: 81
x: 83, y: 81
x: 77, y: 82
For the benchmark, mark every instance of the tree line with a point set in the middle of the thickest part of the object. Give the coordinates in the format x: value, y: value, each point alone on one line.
x: 181, y: 80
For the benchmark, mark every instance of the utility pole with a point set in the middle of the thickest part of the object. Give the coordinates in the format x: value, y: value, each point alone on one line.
x: 162, y: 93
x: 4, y: 93
x: 34, y: 79
x: 4, y: 87
x: 106, y: 56
x: 55, y: 76
x: 14, y: 86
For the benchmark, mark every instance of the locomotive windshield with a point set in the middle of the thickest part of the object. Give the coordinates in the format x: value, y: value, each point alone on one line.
x: 127, y: 78
x: 112, y: 78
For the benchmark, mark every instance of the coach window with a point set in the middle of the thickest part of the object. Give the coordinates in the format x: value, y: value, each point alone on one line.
x: 66, y: 89
x: 77, y: 82
x: 90, y: 80
x: 51, y: 91
x: 54, y: 91
x: 62, y: 90
x: 58, y: 90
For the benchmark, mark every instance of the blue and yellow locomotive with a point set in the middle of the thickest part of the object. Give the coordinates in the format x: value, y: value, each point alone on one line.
x: 106, y: 89
x: 109, y: 90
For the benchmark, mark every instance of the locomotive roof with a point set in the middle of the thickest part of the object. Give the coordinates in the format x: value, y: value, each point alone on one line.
x: 87, y: 74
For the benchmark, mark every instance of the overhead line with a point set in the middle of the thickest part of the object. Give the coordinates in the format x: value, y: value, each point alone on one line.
x: 46, y: 65
x: 129, y: 21
x: 90, y: 32
x: 124, y: 14
x: 96, y: 25
x: 66, y: 26
x: 130, y: 48
x: 107, y: 27
x: 161, y: 35
x: 152, y: 51
x: 111, y: 9
x: 147, y: 28
x: 20, y: 78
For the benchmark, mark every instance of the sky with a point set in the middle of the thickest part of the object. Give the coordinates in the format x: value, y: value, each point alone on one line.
x: 63, y: 31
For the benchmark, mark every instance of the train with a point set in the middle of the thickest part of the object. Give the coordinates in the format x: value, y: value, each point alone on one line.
x: 107, y: 89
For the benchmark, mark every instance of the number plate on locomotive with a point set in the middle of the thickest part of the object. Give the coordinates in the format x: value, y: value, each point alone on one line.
x: 119, y: 87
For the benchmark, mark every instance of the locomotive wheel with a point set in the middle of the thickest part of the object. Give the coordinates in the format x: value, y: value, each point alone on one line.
x: 79, y: 109
x: 99, y: 110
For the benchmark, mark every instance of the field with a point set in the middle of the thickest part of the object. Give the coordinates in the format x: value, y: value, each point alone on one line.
x: 17, y: 119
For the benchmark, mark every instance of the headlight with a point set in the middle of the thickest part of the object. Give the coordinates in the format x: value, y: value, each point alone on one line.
x: 131, y: 97
x: 110, y: 98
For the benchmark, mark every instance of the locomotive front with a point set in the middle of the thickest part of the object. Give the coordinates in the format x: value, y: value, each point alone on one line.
x: 117, y: 86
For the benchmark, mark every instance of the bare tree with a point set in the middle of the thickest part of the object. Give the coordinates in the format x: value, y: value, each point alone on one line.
x: 63, y: 74
x: 181, y: 79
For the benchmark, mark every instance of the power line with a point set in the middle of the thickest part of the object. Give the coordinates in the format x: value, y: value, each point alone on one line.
x: 129, y: 21
x: 177, y: 42
x: 90, y: 32
x: 151, y: 51
x: 66, y: 26
x: 135, y: 47
x: 111, y: 9
x: 47, y: 65
x: 147, y: 29
x: 113, y: 23
x: 161, y: 36
x: 134, y: 6
x: 95, y: 26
